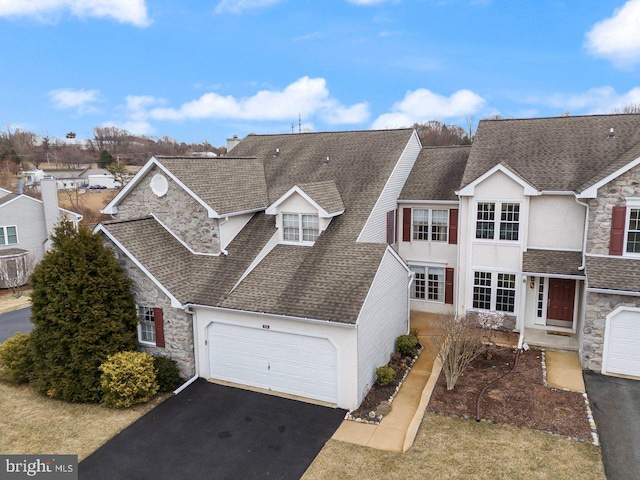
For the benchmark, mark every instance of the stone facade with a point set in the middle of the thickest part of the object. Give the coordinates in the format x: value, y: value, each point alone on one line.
x: 600, y: 305
x: 178, y: 210
x: 610, y: 195
x: 178, y: 325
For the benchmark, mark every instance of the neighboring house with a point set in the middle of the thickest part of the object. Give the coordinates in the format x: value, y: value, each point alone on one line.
x: 26, y: 222
x: 272, y: 268
x: 548, y: 233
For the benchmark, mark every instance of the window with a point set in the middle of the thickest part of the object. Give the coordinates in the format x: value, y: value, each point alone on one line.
x: 508, y: 224
x: 8, y: 235
x: 540, y: 311
x: 494, y: 291
x: 146, y: 325
x: 633, y: 231
x: 297, y: 226
x: 428, y: 283
x: 430, y: 224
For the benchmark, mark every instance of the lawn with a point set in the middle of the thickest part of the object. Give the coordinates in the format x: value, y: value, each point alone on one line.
x: 34, y: 424
x: 450, y: 447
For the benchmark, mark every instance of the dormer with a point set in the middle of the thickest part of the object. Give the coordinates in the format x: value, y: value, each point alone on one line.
x: 305, y: 211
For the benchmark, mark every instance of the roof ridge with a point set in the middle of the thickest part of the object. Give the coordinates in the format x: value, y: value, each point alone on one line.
x: 128, y: 220
x: 559, y: 118
x: 336, y: 132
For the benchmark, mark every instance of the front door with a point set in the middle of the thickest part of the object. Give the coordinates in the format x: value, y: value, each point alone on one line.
x: 560, y: 302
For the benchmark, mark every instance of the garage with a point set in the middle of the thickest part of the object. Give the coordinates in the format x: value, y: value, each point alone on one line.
x: 621, y: 353
x: 283, y: 362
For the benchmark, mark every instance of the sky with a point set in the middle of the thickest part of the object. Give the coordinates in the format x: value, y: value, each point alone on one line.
x: 197, y: 70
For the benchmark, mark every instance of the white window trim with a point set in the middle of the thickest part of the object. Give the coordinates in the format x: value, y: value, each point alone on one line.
x: 631, y: 204
x: 426, y: 285
x: 496, y: 221
x: 300, y: 240
x: 430, y: 225
x: 139, y: 328
x: 6, y: 236
x: 494, y: 290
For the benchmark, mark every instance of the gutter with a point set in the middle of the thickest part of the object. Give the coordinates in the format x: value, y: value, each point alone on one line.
x: 196, y: 375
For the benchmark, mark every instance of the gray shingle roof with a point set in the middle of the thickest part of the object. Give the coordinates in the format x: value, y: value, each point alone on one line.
x: 8, y: 252
x: 613, y: 273
x: 436, y: 174
x: 8, y: 198
x: 325, y: 194
x: 328, y: 281
x: 561, y: 153
x: 552, y: 262
x: 227, y: 185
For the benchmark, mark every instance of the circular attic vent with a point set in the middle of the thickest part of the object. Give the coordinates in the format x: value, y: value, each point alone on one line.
x: 159, y: 185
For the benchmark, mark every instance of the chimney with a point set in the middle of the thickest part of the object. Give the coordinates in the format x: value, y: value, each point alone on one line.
x: 20, y: 190
x: 232, y: 142
x: 49, y: 191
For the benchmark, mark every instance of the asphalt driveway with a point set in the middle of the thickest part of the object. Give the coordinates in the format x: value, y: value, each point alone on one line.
x: 213, y: 432
x: 616, y: 409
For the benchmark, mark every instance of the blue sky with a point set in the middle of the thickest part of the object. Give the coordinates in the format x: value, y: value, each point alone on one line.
x: 199, y: 70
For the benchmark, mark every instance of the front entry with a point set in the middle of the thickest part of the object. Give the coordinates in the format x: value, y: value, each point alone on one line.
x: 560, y: 302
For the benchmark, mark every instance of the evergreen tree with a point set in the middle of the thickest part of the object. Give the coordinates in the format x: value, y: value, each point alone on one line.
x: 106, y: 159
x: 83, y: 311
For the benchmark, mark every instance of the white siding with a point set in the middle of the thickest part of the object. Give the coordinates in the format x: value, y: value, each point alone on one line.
x: 384, y: 316
x: 375, y: 229
x: 231, y: 226
x: 28, y: 215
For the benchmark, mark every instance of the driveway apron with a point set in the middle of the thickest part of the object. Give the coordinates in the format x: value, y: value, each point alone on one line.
x: 216, y: 432
x: 616, y: 409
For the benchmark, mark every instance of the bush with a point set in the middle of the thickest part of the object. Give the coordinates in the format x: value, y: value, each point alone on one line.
x: 16, y: 358
x: 406, y: 344
x: 128, y: 378
x: 385, y: 375
x: 167, y: 373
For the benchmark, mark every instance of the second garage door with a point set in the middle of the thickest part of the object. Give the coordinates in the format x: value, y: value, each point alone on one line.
x: 282, y: 362
x: 622, y: 343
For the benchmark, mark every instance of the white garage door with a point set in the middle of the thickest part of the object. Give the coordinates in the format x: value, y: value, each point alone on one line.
x: 622, y: 348
x: 282, y: 362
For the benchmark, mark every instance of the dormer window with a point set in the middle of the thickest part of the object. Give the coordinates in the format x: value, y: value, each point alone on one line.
x: 298, y: 227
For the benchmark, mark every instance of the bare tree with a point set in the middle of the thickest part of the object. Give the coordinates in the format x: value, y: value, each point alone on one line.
x: 16, y: 271
x: 631, y: 108
x: 459, y: 341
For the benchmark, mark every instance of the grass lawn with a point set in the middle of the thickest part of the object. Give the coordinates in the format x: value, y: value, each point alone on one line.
x: 31, y: 423
x: 448, y: 447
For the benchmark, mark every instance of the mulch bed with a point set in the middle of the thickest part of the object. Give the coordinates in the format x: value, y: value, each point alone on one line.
x: 519, y: 399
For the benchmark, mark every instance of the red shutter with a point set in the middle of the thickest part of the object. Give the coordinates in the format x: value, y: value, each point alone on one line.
x: 618, y: 220
x: 406, y: 224
x: 448, y: 286
x: 159, y: 324
x: 453, y: 226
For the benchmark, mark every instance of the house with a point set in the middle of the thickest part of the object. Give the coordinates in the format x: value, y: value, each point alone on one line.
x: 547, y: 235
x: 26, y: 224
x: 272, y: 267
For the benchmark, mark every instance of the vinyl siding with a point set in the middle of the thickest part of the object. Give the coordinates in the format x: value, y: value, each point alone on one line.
x: 384, y: 316
x: 28, y: 216
x: 374, y: 229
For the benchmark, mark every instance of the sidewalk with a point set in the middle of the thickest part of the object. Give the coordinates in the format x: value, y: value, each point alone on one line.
x: 8, y: 303
x: 397, y: 431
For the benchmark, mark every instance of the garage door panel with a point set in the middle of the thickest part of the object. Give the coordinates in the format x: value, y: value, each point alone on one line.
x: 623, y: 347
x: 295, y: 364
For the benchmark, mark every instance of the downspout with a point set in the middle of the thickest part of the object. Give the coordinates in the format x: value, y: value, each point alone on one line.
x: 196, y: 375
x: 581, y: 268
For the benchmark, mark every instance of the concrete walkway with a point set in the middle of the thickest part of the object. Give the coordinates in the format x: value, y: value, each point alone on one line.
x: 397, y: 430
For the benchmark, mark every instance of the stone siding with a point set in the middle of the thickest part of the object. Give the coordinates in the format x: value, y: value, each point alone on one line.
x: 612, y: 194
x: 178, y: 210
x: 599, y: 305
x: 178, y: 326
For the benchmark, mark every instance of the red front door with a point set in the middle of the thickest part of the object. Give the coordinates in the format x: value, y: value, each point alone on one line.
x: 560, y: 304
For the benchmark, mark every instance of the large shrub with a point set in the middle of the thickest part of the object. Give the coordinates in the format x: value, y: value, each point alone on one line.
x: 16, y: 358
x: 128, y: 378
x: 167, y: 373
x: 83, y: 311
x: 406, y: 344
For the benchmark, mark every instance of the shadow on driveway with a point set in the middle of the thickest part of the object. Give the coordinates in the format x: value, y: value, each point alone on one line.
x: 616, y: 409
x: 212, y: 431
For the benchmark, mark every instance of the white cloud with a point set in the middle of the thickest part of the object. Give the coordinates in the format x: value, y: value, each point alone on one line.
x: 617, y: 38
x: 124, y: 11
x: 306, y: 96
x: 239, y: 6
x: 593, y: 101
x: 81, y: 100
x: 423, y: 105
